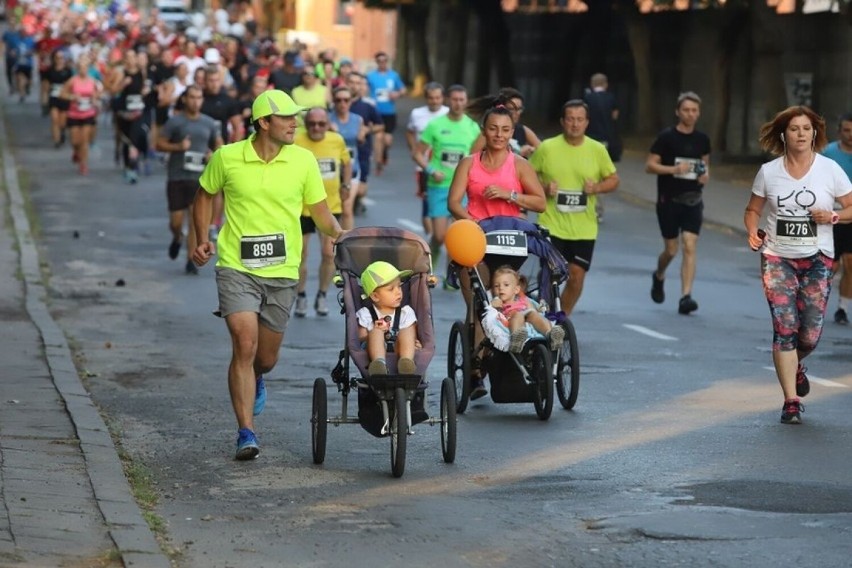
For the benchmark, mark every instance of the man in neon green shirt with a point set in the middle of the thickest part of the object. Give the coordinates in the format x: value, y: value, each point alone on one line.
x: 266, y: 180
x: 447, y: 139
x: 573, y: 169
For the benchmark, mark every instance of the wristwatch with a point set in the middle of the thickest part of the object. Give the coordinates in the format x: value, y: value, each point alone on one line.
x: 835, y: 217
x: 513, y: 197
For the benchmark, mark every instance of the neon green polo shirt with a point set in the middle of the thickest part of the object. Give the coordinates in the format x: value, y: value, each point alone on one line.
x: 450, y: 141
x: 263, y: 202
x: 569, y: 166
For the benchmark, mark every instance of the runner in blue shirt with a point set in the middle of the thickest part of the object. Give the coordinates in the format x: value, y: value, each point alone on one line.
x: 385, y: 87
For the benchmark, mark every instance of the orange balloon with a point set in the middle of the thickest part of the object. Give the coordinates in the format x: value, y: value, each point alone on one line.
x: 465, y: 242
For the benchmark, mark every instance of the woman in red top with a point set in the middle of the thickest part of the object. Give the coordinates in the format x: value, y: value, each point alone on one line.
x: 496, y: 182
x: 84, y: 94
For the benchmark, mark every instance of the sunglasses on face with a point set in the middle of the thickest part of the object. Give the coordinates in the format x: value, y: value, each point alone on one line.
x: 342, y: 100
x: 313, y: 123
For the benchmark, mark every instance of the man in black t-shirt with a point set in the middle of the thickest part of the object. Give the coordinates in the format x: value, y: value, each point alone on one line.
x: 680, y: 158
x: 157, y: 73
x: 288, y: 76
x: 218, y: 105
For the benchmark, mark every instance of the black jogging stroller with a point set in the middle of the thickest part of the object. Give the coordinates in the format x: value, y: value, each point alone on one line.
x: 388, y: 405
x: 528, y: 376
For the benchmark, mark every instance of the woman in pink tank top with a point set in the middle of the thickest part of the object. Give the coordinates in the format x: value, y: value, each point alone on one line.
x: 84, y: 94
x: 495, y: 181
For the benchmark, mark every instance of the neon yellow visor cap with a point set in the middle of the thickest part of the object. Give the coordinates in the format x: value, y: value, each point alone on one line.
x: 274, y: 102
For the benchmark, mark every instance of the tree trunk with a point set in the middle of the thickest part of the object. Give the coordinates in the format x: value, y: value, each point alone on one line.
x: 768, y: 74
x: 415, y: 17
x: 732, y: 25
x: 640, y: 45
x: 459, y: 21
x: 493, y: 48
x: 403, y: 41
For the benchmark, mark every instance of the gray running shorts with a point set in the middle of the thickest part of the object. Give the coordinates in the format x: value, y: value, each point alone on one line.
x: 270, y: 298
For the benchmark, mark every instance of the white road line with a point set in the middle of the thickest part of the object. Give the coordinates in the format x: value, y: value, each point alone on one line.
x: 819, y: 381
x: 649, y: 332
x: 410, y: 225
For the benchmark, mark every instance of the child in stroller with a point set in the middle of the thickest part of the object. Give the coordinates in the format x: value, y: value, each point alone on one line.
x: 385, y: 319
x: 522, y: 374
x: 517, y: 310
x: 391, y: 392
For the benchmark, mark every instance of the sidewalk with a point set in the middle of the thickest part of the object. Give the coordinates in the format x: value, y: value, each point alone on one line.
x: 64, y: 499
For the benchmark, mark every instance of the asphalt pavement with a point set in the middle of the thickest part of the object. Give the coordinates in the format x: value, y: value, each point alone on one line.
x: 65, y: 498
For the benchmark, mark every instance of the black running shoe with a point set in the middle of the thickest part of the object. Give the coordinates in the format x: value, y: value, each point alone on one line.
x: 174, y: 249
x: 191, y: 268
x: 791, y: 412
x: 840, y: 317
x: 803, y: 385
x: 687, y: 305
x: 478, y: 390
x: 658, y: 294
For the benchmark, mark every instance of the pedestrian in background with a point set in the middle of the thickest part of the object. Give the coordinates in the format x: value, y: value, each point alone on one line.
x: 800, y: 187
x: 386, y: 87
x: 417, y: 121
x: 335, y: 164
x: 189, y: 138
x: 841, y: 152
x: 574, y: 171
x: 680, y: 158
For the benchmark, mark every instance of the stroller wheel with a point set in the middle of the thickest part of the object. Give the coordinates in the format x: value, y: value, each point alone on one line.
x: 459, y: 362
x: 568, y: 368
x: 399, y: 432
x: 541, y: 370
x: 319, y: 421
x: 448, y: 420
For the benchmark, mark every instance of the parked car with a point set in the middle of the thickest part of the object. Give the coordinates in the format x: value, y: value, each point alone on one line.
x: 175, y: 13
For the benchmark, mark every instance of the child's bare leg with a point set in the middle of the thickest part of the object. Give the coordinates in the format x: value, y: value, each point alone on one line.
x: 376, y: 344
x: 405, y: 345
x: 405, y: 342
x: 518, y: 330
x: 539, y: 322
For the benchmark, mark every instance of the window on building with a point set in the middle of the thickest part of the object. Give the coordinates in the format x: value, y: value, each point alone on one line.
x: 344, y: 10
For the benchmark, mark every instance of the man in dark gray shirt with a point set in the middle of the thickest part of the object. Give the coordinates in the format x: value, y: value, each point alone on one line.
x: 189, y: 138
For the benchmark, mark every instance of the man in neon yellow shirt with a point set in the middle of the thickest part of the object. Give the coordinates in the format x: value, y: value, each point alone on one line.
x: 311, y: 93
x: 573, y: 169
x: 266, y: 180
x: 335, y: 163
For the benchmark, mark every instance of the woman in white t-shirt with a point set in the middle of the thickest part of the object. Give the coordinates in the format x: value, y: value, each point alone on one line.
x: 800, y: 187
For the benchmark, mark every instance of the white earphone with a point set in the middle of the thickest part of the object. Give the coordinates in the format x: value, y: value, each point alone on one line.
x: 782, y: 138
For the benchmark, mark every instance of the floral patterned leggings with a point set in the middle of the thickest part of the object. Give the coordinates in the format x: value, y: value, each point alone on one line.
x: 797, y: 290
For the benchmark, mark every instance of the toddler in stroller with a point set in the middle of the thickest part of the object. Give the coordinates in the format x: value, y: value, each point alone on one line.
x: 385, y: 280
x: 385, y: 320
x: 521, y: 368
x: 516, y: 310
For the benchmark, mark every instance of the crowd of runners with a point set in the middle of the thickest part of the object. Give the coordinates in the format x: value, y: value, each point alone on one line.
x: 176, y: 94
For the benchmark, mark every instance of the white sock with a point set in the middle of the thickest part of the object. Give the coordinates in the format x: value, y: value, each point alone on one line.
x: 842, y: 303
